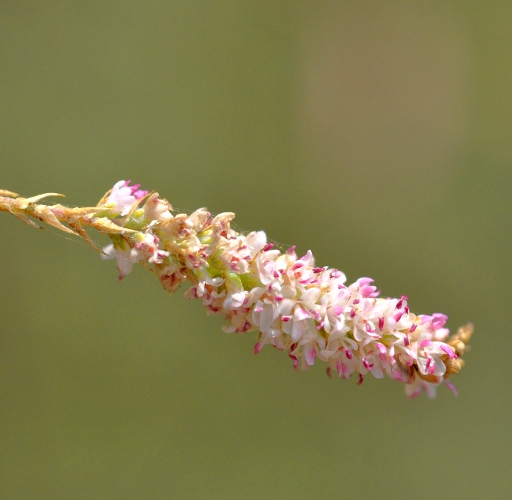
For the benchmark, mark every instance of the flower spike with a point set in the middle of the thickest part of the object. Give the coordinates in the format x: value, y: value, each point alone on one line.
x: 295, y: 306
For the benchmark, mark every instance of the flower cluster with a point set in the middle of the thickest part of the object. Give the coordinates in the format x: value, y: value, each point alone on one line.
x: 306, y: 310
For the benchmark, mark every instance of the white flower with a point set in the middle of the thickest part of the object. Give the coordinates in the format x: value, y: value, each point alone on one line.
x: 123, y: 256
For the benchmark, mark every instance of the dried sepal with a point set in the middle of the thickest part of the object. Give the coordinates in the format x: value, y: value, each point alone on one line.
x: 10, y: 194
x: 104, y: 198
x: 83, y: 233
x: 25, y: 219
x: 453, y: 366
x: 459, y: 341
x: 45, y: 214
x: 39, y: 197
x: 105, y: 226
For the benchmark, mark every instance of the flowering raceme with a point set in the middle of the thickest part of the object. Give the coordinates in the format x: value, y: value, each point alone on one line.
x: 297, y: 307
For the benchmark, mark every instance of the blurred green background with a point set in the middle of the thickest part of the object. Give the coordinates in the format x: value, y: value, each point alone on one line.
x: 376, y: 134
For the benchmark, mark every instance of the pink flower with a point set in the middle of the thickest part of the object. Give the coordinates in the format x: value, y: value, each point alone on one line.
x: 123, y: 197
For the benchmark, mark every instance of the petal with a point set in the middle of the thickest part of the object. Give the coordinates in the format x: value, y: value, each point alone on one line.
x: 266, y: 317
x: 310, y: 355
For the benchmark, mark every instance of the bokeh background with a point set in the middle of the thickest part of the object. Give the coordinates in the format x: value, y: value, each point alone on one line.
x: 377, y: 134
